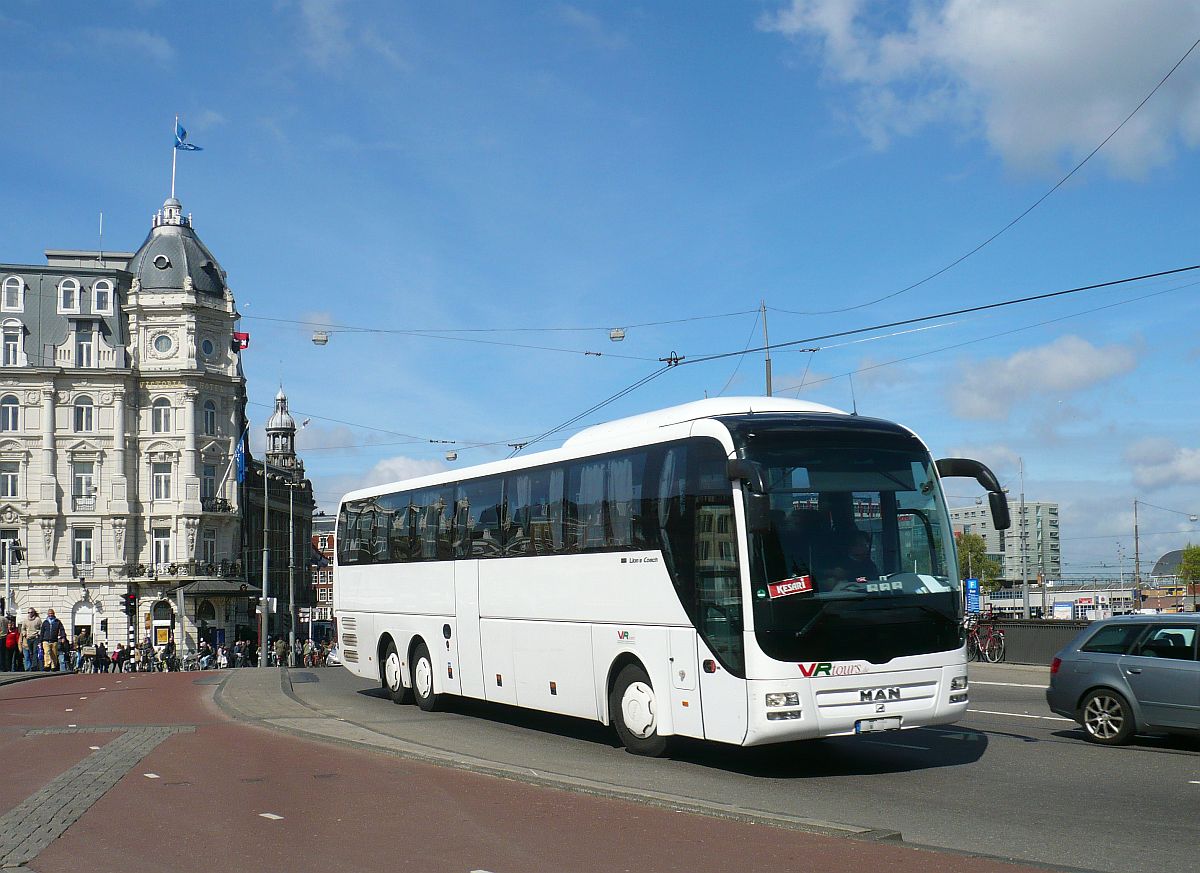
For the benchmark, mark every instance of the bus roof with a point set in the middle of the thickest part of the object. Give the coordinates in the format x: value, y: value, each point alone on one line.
x: 614, y: 431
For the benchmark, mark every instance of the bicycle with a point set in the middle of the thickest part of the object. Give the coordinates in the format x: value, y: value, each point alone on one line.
x: 985, y: 641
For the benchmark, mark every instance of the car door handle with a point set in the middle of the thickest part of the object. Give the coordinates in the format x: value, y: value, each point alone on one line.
x: 1133, y: 670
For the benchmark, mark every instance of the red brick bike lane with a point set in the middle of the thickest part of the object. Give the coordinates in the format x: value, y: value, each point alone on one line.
x: 232, y: 793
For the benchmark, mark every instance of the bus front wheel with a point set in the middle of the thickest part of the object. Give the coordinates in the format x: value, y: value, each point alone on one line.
x: 634, y: 709
x: 422, y: 679
x: 393, y: 676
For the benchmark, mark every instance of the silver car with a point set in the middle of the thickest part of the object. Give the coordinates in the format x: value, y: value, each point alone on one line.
x: 1136, y: 673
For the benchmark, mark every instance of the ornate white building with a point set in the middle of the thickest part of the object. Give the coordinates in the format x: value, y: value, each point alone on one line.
x: 122, y: 401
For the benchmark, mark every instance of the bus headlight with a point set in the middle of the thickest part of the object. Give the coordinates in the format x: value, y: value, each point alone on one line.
x: 783, y: 698
x: 958, y: 683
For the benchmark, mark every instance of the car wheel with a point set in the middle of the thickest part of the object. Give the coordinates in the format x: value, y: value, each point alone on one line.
x: 634, y: 709
x: 393, y: 676
x: 1106, y: 717
x: 422, y: 679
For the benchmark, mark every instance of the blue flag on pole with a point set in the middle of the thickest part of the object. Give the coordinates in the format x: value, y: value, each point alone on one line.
x: 181, y: 142
x: 239, y: 457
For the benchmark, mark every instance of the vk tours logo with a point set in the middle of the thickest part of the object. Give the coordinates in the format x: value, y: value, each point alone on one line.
x: 826, y: 668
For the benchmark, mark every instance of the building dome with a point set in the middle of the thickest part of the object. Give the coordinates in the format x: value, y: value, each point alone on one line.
x: 172, y: 253
x: 281, y: 419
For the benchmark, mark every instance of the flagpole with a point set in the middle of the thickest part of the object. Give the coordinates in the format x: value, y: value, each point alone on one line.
x: 174, y: 154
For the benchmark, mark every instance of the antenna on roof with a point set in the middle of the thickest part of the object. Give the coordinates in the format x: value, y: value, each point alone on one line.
x: 100, y: 245
x: 853, y: 399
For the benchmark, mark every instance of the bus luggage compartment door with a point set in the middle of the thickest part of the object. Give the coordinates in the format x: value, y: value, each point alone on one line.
x: 466, y: 603
x: 685, y: 695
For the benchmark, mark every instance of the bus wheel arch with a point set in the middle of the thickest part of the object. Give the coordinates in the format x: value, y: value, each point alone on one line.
x: 634, y: 708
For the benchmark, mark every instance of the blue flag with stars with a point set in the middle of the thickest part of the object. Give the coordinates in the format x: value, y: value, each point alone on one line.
x: 239, y: 457
x: 181, y: 142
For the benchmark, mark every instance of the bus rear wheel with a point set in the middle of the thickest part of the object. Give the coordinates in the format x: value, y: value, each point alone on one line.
x: 393, y: 676
x: 634, y: 709
x: 422, y: 679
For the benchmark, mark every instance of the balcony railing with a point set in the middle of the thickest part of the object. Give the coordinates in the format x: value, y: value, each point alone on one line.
x: 220, y: 569
x: 83, y: 503
x: 216, y: 504
x: 84, y: 571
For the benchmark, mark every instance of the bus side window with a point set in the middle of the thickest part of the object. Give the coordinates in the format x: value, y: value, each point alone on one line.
x: 486, y: 511
x: 347, y: 536
x: 445, y: 525
x: 461, y: 535
x: 393, y: 528
x: 623, y: 525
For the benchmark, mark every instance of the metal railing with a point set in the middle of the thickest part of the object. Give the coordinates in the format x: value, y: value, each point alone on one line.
x: 83, y: 503
x: 220, y: 569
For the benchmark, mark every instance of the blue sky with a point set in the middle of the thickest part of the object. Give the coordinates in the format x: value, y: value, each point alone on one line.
x: 475, y: 167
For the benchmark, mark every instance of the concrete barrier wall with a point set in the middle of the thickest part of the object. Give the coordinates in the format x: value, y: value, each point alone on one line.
x: 1036, y: 641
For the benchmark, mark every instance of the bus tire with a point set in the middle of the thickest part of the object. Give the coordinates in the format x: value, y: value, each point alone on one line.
x: 634, y: 709
x: 422, y: 679
x: 393, y: 676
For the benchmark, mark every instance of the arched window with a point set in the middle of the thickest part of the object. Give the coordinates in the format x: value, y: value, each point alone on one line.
x: 210, y: 418
x: 12, y: 336
x: 10, y: 413
x: 68, y: 295
x: 161, y: 416
x: 85, y: 414
x: 205, y: 611
x: 13, y: 297
x: 102, y: 297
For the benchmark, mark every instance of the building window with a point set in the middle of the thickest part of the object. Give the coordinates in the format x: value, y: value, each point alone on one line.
x: 10, y: 413
x: 85, y: 414
x: 208, y: 482
x: 83, y: 347
x: 210, y: 418
x: 161, y: 416
x: 68, y: 295
x: 12, y: 344
x: 10, y: 472
x: 322, y: 542
x: 162, y: 546
x: 208, y: 546
x: 84, y: 489
x: 162, y: 480
x: 102, y: 297
x: 81, y: 549
x: 13, y: 297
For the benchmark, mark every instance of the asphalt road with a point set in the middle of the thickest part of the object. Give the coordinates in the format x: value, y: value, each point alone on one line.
x: 151, y: 772
x: 1012, y: 780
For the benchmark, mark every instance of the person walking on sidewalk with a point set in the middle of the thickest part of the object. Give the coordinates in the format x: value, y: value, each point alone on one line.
x: 31, y: 641
x: 10, y: 646
x: 52, y: 633
x: 281, y: 652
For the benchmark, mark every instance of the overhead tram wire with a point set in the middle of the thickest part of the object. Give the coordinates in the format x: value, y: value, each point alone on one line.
x: 742, y: 357
x: 1010, y: 224
x: 994, y: 336
x: 983, y: 308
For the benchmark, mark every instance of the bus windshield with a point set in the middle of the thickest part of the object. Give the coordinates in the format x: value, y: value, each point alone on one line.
x: 858, y: 561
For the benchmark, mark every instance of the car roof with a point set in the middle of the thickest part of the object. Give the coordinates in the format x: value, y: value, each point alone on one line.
x: 1175, y: 617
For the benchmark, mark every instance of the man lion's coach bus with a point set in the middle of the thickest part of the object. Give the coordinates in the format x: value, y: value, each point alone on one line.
x: 744, y: 570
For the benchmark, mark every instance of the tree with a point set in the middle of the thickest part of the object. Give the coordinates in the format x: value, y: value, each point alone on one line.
x: 1189, y: 570
x: 974, y: 561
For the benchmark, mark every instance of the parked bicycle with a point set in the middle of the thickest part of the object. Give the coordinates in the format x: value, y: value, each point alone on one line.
x: 985, y: 641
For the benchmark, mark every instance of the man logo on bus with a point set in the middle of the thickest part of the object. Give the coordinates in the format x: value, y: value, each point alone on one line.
x: 825, y: 668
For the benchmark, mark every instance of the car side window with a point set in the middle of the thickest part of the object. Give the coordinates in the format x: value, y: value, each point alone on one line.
x: 1177, y: 642
x: 1113, y: 639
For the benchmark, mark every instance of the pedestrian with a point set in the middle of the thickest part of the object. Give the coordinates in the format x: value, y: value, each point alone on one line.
x: 281, y: 652
x: 31, y: 645
x: 100, y: 659
x: 52, y: 632
x: 10, y: 647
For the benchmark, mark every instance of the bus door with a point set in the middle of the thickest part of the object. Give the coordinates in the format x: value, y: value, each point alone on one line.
x: 723, y: 696
x: 466, y: 609
x: 685, y: 692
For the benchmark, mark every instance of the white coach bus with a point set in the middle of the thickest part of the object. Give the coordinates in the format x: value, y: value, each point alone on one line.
x: 744, y: 570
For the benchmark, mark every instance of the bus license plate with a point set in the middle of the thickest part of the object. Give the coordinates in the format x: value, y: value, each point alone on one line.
x: 871, y: 725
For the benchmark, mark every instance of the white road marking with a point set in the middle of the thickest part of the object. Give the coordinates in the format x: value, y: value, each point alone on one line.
x: 72, y: 725
x: 83, y: 698
x: 272, y: 816
x: 1194, y: 782
x: 68, y: 710
x: 94, y: 748
x: 1011, y: 685
x: 1020, y: 715
x: 896, y: 745
x: 150, y: 775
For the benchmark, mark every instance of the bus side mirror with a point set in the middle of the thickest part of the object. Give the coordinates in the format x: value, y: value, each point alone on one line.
x: 758, y: 512
x: 966, y: 468
x: 749, y: 472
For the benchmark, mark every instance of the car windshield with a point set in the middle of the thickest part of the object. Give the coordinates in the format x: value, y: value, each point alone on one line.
x: 858, y: 559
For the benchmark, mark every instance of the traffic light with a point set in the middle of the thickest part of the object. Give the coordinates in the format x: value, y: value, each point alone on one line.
x: 129, y: 603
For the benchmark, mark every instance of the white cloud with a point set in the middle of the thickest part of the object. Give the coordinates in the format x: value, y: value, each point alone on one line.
x: 592, y: 27
x: 132, y: 41
x: 1042, y: 82
x: 206, y: 119
x: 1157, y: 462
x: 325, y: 31
x: 400, y: 467
x: 989, y: 389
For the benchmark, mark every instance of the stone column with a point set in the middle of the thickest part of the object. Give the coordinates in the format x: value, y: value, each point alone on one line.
x: 119, y: 434
x: 189, y: 432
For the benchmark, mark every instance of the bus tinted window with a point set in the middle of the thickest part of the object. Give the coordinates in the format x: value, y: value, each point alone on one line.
x: 484, y: 519
x: 533, y: 529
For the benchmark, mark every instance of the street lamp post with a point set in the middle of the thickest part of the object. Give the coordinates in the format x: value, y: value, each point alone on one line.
x: 264, y: 624
x: 292, y: 485
x: 9, y: 547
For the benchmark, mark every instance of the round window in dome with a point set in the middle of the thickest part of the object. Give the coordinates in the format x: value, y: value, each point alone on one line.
x: 162, y: 262
x: 163, y: 343
x: 207, y: 347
